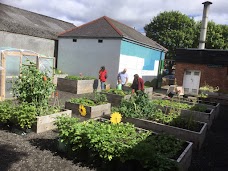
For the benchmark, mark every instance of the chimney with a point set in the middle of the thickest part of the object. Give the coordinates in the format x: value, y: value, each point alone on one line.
x: 203, y: 31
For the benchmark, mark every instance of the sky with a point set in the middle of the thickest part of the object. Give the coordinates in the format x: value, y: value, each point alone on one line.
x: 134, y: 13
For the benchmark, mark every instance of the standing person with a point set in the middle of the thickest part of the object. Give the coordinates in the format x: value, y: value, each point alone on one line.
x: 123, y: 78
x: 103, y: 75
x: 138, y: 84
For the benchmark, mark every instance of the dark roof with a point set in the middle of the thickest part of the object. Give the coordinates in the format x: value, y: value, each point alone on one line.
x: 106, y: 27
x: 20, y: 21
x: 202, y: 56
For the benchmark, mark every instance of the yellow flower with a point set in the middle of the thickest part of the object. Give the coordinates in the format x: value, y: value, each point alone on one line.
x: 82, y: 110
x: 115, y: 118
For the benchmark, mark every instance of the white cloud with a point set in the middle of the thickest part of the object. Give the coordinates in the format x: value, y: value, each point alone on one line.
x: 133, y: 13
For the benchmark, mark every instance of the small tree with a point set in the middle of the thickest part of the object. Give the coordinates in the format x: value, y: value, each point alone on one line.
x: 33, y: 86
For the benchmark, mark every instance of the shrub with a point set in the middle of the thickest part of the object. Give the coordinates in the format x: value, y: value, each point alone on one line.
x: 33, y: 86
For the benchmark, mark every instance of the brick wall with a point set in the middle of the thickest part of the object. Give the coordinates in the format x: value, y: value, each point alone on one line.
x: 212, y: 76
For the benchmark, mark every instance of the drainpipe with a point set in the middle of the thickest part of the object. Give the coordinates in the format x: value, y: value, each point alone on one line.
x: 204, y: 25
x: 159, y: 68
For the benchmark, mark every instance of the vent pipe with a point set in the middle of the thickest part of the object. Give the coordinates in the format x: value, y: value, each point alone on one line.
x: 203, y: 31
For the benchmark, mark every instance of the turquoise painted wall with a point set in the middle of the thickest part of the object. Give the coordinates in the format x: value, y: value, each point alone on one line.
x: 149, y: 55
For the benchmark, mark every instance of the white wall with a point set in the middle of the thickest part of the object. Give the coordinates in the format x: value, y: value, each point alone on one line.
x: 86, y: 56
x: 36, y: 44
x: 135, y: 65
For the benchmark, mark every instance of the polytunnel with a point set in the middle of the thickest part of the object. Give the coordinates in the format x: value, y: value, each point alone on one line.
x: 11, y: 61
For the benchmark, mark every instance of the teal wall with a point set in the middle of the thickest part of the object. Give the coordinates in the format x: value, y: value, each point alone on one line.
x: 149, y: 55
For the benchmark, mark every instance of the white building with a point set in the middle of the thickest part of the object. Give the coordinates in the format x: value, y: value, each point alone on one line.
x: 109, y: 43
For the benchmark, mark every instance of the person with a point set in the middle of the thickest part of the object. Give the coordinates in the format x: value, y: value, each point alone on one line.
x: 119, y: 85
x: 123, y: 78
x: 103, y: 75
x: 138, y: 84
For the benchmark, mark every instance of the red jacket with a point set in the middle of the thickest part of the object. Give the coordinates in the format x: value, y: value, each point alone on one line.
x: 103, y: 75
x: 140, y: 85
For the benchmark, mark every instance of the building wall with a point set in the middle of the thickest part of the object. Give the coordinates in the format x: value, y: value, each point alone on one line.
x: 139, y: 60
x: 86, y: 56
x: 211, y: 76
x: 36, y: 44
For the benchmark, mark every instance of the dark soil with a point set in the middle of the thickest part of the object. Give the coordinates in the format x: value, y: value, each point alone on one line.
x: 38, y: 152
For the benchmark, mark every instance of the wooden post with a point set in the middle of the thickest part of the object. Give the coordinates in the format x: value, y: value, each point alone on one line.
x: 3, y: 76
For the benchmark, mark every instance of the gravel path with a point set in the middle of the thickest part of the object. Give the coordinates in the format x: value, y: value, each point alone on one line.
x: 33, y: 152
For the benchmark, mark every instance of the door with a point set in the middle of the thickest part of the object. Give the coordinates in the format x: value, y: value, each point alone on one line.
x: 191, y: 82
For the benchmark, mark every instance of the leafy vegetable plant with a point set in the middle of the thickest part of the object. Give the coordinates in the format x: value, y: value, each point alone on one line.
x: 73, y: 77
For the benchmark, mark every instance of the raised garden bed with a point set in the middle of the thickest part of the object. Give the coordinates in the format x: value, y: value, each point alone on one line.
x: 198, y: 112
x: 91, y: 111
x: 115, y: 99
x: 197, y: 137
x: 149, y: 91
x: 56, y: 76
x: 77, y: 86
x: 46, y: 123
x: 149, y: 150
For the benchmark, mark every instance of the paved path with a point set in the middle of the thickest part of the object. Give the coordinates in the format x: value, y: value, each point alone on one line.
x: 214, y: 153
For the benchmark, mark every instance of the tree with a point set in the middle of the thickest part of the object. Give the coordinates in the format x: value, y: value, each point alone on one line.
x: 216, y: 37
x: 171, y: 30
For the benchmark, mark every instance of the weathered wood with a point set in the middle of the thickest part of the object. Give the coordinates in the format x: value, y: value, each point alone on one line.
x: 56, y: 76
x: 77, y: 86
x: 91, y: 111
x: 196, y: 137
x: 46, y: 123
x: 184, y: 160
x: 115, y: 99
x: 149, y: 91
x: 199, y: 116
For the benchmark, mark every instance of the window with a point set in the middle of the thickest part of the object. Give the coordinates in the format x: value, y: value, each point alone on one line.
x: 194, y: 91
x: 100, y: 41
x: 196, y: 73
x: 74, y: 40
x: 186, y: 90
x: 188, y: 72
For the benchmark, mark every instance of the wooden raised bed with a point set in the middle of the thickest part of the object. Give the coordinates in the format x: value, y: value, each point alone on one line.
x: 91, y: 111
x: 184, y: 160
x: 77, y: 86
x: 115, y: 99
x: 56, y: 76
x: 200, y: 116
x: 46, y: 123
x: 149, y: 91
x: 196, y: 137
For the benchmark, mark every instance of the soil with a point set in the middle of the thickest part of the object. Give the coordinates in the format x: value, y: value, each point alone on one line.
x: 21, y: 151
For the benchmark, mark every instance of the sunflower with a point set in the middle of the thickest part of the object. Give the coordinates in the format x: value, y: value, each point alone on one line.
x: 115, y: 118
x: 82, y: 110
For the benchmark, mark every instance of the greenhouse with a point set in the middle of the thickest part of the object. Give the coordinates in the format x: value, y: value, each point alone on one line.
x: 11, y: 60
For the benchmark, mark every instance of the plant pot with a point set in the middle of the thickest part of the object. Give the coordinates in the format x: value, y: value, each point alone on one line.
x: 91, y: 111
x: 46, y: 123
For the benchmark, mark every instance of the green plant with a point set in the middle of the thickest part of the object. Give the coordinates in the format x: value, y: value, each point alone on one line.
x: 98, y: 99
x: 73, y: 77
x: 24, y: 115
x: 83, y: 100
x: 6, y: 108
x: 117, y: 92
x: 209, y: 88
x: 120, y: 141
x: 33, y: 86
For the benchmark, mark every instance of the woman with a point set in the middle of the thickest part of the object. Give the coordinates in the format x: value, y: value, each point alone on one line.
x: 138, y: 84
x: 103, y: 76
